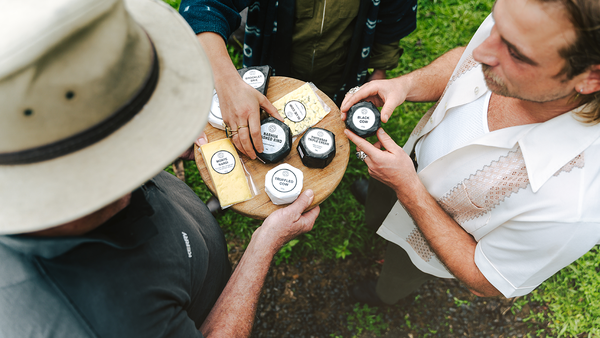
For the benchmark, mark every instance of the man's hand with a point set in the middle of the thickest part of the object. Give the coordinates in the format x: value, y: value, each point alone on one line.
x: 233, y: 314
x: 285, y: 224
x: 388, y: 94
x: 451, y: 243
x: 391, y: 165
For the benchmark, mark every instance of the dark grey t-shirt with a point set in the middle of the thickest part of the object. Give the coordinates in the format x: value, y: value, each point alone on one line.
x: 153, y: 270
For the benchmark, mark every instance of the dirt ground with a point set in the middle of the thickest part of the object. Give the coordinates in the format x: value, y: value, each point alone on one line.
x: 310, y: 298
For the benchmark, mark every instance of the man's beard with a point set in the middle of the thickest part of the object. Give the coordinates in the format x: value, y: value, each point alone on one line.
x: 494, y: 83
x: 498, y: 86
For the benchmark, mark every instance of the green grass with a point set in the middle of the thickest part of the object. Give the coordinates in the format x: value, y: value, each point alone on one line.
x: 571, y: 297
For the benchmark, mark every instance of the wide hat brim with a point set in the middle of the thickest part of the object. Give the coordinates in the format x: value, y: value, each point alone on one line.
x: 49, y: 193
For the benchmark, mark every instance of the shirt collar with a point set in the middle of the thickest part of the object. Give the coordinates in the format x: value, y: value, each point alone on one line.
x: 547, y: 146
x: 129, y: 228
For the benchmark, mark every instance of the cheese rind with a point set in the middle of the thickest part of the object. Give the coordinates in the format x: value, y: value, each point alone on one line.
x: 257, y: 77
x: 214, y: 116
x: 277, y: 140
x: 226, y: 172
x: 364, y: 119
x: 300, y: 109
x: 317, y: 148
x: 283, y: 184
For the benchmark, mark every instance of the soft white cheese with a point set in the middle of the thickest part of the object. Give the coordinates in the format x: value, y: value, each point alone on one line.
x: 214, y: 117
x: 283, y: 184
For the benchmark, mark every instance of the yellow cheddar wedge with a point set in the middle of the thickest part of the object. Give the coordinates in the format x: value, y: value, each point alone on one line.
x: 226, y: 171
x: 300, y: 109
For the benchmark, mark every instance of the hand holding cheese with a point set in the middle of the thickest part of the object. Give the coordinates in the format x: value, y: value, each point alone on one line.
x: 283, y: 184
x: 226, y: 171
x: 257, y: 77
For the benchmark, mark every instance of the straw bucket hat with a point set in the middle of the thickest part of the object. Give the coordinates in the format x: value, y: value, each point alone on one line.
x: 96, y: 97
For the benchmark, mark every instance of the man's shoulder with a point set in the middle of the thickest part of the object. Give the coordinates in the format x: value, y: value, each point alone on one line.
x: 31, y: 307
x: 15, y: 268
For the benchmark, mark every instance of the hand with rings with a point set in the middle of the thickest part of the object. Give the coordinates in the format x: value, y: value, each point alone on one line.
x: 230, y: 133
x: 386, y: 160
x: 240, y: 107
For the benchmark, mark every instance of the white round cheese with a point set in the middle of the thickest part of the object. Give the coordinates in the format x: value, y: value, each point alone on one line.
x: 283, y: 184
x: 214, y: 117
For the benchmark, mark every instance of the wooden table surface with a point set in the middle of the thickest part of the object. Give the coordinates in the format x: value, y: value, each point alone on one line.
x: 322, y: 181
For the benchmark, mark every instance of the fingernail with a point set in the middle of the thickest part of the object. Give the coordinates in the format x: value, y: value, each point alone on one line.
x: 200, y: 141
x: 309, y: 193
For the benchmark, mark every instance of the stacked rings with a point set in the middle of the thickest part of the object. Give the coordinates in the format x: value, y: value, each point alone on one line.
x: 230, y: 133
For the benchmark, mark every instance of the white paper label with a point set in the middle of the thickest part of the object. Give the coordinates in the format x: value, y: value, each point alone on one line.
x: 295, y: 111
x: 215, y: 108
x: 284, y: 180
x: 363, y: 118
x: 318, y: 141
x: 254, y: 77
x: 222, y: 162
x: 273, y: 138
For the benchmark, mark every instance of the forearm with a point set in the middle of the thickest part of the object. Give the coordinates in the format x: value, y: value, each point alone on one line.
x: 234, y: 311
x: 452, y: 245
x: 223, y: 68
x: 428, y: 83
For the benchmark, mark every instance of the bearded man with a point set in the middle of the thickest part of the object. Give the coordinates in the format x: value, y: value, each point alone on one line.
x: 497, y: 185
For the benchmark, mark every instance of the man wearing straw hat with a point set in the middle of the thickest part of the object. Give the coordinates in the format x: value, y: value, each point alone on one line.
x: 96, y: 241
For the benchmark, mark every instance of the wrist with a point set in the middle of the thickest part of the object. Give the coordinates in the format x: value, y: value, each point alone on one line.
x: 411, y: 191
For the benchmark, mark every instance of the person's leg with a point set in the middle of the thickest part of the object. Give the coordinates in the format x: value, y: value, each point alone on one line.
x: 399, y: 276
x: 380, y: 200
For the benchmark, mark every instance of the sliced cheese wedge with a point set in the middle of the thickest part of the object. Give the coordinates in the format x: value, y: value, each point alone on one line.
x: 300, y: 109
x: 226, y: 172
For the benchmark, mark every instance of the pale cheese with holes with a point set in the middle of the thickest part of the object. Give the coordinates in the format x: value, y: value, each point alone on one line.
x: 300, y: 109
x: 226, y: 172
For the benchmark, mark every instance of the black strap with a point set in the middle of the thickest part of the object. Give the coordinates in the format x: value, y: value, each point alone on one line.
x: 95, y: 133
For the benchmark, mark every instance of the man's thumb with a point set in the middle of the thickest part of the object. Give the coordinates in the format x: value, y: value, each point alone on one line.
x: 302, y: 202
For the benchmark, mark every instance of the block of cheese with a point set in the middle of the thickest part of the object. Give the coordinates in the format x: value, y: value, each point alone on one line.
x: 301, y: 109
x: 283, y: 184
x: 226, y: 172
x: 257, y: 77
x: 277, y: 140
x: 317, y: 148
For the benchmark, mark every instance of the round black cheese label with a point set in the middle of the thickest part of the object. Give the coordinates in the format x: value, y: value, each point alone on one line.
x: 254, y: 78
x: 295, y: 111
x: 273, y: 137
x: 318, y: 141
x: 364, y: 118
x: 284, y: 180
x: 222, y: 162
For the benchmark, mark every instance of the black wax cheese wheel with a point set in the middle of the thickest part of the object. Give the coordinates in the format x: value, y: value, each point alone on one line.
x: 363, y: 119
x: 277, y: 140
x: 317, y: 148
x: 257, y: 77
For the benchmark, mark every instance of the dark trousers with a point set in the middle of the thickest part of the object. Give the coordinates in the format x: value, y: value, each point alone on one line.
x: 399, y: 276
